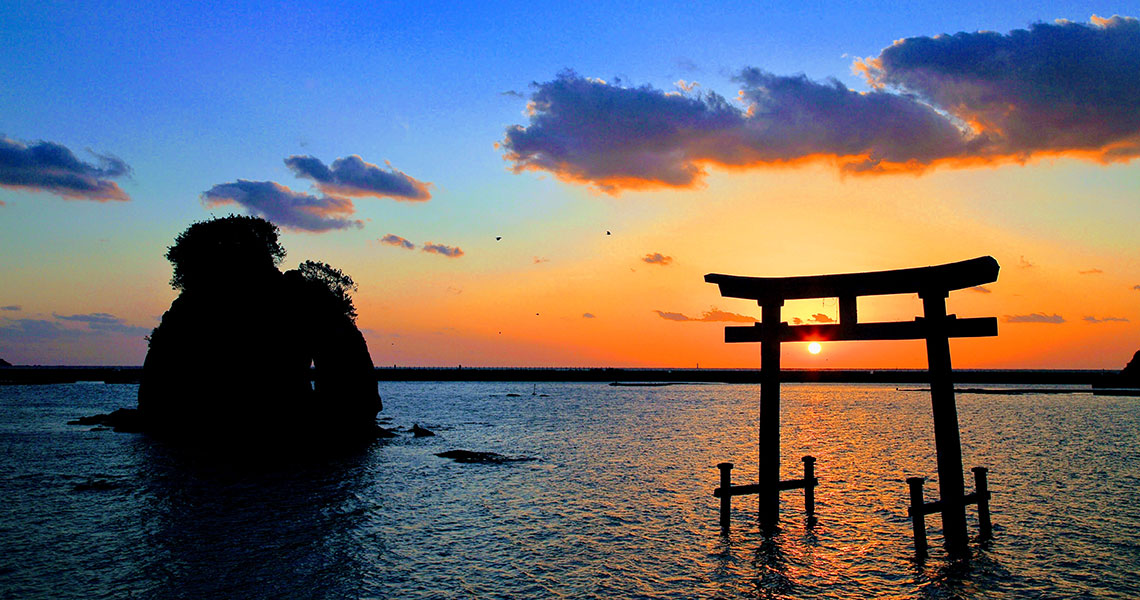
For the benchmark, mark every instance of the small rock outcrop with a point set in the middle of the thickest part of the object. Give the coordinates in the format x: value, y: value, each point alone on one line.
x: 248, y: 354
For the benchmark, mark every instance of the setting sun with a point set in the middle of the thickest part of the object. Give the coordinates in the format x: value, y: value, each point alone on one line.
x: 814, y: 347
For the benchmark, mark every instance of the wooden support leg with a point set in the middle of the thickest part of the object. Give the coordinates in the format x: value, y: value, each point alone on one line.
x: 809, y: 485
x: 917, y: 516
x: 981, y: 488
x: 725, y: 496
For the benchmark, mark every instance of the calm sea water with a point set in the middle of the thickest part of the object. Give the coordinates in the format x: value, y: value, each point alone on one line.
x: 616, y: 503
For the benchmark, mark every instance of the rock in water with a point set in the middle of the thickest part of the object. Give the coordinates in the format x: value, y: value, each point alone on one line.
x: 230, y: 362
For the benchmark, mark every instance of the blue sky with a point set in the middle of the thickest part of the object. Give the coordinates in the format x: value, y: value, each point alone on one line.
x: 192, y: 96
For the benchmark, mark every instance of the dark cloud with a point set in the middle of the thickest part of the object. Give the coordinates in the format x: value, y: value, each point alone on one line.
x: 448, y: 251
x: 657, y: 259
x: 1136, y: 287
x: 51, y: 167
x: 713, y: 314
x: 981, y: 289
x: 1055, y: 88
x: 104, y: 322
x: 394, y: 240
x: 351, y: 176
x: 1034, y: 318
x: 35, y: 330
x: 283, y: 206
x: 1090, y: 272
x: 1106, y: 320
x: 513, y: 94
x: 11, y: 307
x: 588, y: 316
x: 961, y: 100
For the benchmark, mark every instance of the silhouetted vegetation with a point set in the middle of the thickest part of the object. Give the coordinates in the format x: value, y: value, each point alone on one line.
x: 339, y: 284
x: 224, y: 249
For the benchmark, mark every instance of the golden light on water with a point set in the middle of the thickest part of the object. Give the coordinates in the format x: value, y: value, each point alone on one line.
x: 814, y: 347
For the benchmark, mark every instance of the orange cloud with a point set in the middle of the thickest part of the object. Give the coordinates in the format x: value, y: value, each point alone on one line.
x: 958, y: 101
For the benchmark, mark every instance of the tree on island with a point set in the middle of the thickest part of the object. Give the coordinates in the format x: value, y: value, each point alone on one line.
x: 230, y: 362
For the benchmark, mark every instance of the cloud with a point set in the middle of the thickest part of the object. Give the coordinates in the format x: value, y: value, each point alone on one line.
x: 1055, y: 88
x: 11, y: 307
x: 1136, y: 287
x: 713, y: 314
x: 394, y: 240
x: 981, y: 289
x: 513, y: 94
x: 448, y: 251
x: 657, y: 259
x: 351, y: 176
x: 1106, y: 320
x: 1090, y: 272
x: 1024, y: 264
x: 1034, y: 318
x: 820, y: 318
x: 540, y: 259
x: 588, y: 316
x: 104, y: 322
x: 51, y: 167
x: 34, y: 330
x: 686, y: 86
x: 797, y: 321
x: 283, y: 206
x: 964, y: 100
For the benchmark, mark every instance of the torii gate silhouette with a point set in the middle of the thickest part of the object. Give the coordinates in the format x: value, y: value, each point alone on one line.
x: 933, y: 285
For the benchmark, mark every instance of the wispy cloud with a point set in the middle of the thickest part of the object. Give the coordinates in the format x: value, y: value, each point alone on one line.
x: 713, y: 314
x: 539, y: 260
x: 1034, y: 318
x: 351, y: 176
x: 588, y: 316
x: 981, y: 289
x: 657, y: 259
x: 53, y: 168
x: 963, y: 100
x: 104, y: 322
x: 1024, y: 264
x: 1095, y: 320
x: 820, y: 318
x: 448, y: 251
x: 285, y: 207
x: 394, y: 240
x: 1090, y: 272
x: 11, y: 307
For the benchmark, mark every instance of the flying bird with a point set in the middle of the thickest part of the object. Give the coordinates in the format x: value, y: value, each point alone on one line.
x: 498, y: 237
x: 607, y: 232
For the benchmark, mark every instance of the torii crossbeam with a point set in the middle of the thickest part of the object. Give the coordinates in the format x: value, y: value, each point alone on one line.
x: 932, y: 284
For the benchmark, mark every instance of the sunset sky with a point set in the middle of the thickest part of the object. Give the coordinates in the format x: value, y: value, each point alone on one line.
x: 547, y: 184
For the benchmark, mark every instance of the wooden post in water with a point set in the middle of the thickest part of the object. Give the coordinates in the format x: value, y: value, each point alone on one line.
x: 725, y: 496
x: 769, y: 434
x: 947, y: 443
x: 982, y: 491
x: 809, y: 486
x: 917, y: 516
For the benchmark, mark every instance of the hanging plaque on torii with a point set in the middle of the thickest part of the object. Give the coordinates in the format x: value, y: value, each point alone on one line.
x: 933, y: 285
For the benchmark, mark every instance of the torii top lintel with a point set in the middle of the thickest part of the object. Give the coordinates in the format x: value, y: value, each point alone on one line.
x: 928, y: 282
x: 921, y: 280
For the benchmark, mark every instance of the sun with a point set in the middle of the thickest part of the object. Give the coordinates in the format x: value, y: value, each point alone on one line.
x: 814, y: 347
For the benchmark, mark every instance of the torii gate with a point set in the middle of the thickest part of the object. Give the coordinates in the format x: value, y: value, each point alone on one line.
x: 933, y: 285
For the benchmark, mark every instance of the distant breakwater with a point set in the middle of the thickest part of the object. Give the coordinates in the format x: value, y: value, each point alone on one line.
x: 112, y: 375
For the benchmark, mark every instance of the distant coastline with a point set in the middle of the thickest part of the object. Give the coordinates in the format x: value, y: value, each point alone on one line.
x: 24, y: 375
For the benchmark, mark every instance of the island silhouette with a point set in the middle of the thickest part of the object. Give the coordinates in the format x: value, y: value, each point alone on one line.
x: 249, y: 355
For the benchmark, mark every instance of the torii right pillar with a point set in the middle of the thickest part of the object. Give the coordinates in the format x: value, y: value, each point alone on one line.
x: 947, y: 442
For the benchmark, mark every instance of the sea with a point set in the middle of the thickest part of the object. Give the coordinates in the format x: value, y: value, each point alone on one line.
x: 611, y: 496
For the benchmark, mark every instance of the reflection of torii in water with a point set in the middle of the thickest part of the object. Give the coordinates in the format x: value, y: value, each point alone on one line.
x: 933, y: 285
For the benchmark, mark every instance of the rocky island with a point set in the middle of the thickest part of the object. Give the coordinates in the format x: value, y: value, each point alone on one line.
x: 248, y: 355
